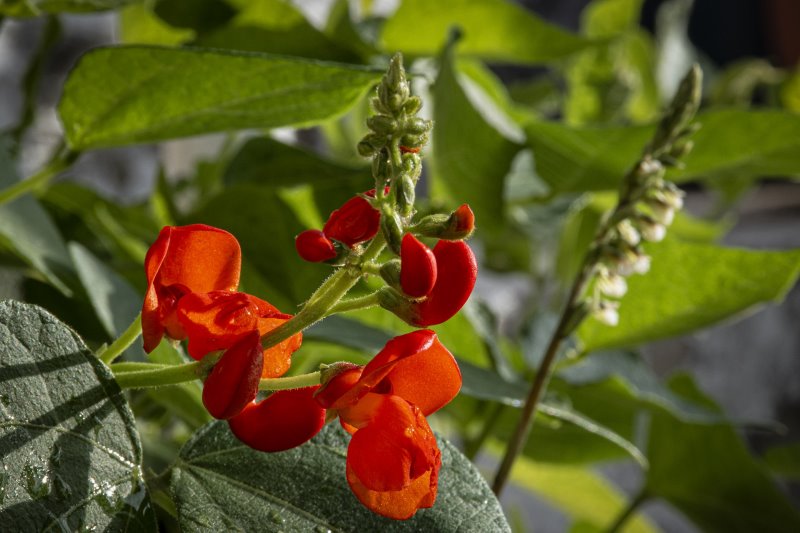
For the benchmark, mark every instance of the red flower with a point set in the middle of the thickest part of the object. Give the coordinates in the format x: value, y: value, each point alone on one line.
x: 356, y: 221
x: 217, y: 320
x: 393, y: 460
x: 233, y: 382
x: 282, y: 421
x: 457, y: 272
x: 182, y: 260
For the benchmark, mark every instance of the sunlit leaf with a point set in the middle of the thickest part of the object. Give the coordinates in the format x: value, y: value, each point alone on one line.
x: 135, y: 94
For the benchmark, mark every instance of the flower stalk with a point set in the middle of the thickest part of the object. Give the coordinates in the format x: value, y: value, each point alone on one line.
x: 616, y: 250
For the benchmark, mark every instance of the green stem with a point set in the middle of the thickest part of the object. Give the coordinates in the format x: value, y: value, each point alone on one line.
x: 290, y: 382
x: 629, y: 511
x: 62, y: 160
x: 324, y: 298
x: 135, y: 366
x: 123, y: 341
x: 354, y: 304
x: 169, y: 375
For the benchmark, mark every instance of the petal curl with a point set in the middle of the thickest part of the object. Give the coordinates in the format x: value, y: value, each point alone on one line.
x: 393, y: 462
x: 195, y: 258
x: 457, y: 272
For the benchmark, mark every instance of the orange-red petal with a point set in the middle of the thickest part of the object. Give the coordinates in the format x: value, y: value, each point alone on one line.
x: 356, y: 221
x: 415, y: 366
x: 233, y: 382
x: 417, y: 267
x: 282, y: 421
x: 195, y: 258
x: 457, y: 272
x: 393, y: 462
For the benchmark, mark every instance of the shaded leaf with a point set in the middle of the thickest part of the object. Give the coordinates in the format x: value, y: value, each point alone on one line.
x: 494, y: 30
x: 581, y: 494
x: 690, y: 286
x: 721, y: 487
x: 468, y: 167
x: 220, y: 484
x: 270, y: 163
x: 30, y: 233
x: 114, y: 300
x: 784, y: 460
x: 69, y: 448
x: 730, y: 143
x: 133, y: 94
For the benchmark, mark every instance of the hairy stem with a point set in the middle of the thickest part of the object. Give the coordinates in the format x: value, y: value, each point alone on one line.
x: 123, y: 341
x: 290, y: 382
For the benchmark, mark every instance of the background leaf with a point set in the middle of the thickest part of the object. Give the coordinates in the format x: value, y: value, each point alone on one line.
x: 134, y: 94
x: 29, y: 232
x: 69, y: 448
x: 730, y: 142
x: 494, y: 30
x: 720, y: 486
x: 34, y: 8
x: 691, y: 286
x: 469, y: 166
x: 220, y: 484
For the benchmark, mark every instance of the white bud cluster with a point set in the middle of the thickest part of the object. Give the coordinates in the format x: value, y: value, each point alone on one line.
x: 622, y: 254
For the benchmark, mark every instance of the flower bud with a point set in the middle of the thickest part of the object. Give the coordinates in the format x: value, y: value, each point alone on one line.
x: 662, y: 212
x: 418, y: 267
x: 412, y: 105
x: 380, y: 166
x: 390, y: 273
x: 650, y: 229
x: 382, y: 124
x: 233, y: 382
x: 457, y: 226
x: 313, y: 246
x: 365, y: 149
x: 611, y: 284
x: 406, y: 194
x: 628, y: 233
x: 392, y: 229
x: 417, y: 125
x: 606, y: 312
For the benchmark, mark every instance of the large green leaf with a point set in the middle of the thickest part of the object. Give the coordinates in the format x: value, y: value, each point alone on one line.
x: 691, y: 286
x: 27, y: 229
x: 707, y: 473
x: 730, y: 143
x: 34, y: 8
x: 220, y: 484
x: 129, y: 94
x: 274, y: 26
x: 472, y: 158
x: 494, y: 30
x: 69, y: 451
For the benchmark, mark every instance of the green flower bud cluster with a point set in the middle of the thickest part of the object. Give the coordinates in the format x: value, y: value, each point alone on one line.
x: 395, y: 138
x: 647, y: 204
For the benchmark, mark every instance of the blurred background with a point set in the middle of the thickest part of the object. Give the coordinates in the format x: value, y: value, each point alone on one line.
x: 749, y: 50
